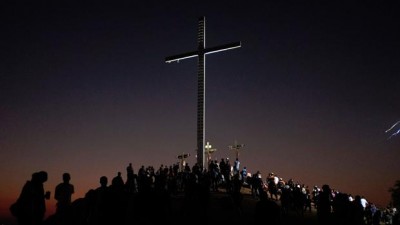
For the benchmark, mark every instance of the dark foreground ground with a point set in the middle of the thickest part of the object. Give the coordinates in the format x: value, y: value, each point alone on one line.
x: 220, y: 209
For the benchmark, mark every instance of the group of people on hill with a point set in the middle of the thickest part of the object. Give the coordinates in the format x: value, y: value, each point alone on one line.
x: 30, y: 207
x: 332, y: 206
x: 150, y: 190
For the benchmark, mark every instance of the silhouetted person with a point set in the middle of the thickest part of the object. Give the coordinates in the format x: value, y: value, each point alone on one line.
x: 63, y: 194
x: 236, y: 194
x: 236, y: 166
x: 118, y: 181
x: 244, y: 175
x: 31, y: 201
x: 324, y: 205
x: 129, y: 171
x: 103, y: 183
x: 131, y: 179
x: 100, y: 215
x: 286, y: 199
x: 116, y: 201
x: 256, y: 184
x: 357, y: 211
x: 376, y: 218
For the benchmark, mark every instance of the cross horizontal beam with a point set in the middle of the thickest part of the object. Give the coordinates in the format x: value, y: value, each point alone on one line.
x: 206, y: 51
x: 222, y: 48
x: 188, y: 55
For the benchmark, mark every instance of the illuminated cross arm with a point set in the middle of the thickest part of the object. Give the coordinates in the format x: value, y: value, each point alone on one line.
x: 177, y: 58
x: 201, y: 53
x: 236, y: 147
x: 183, y: 156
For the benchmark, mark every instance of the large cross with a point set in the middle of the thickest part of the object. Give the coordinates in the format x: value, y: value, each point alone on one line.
x: 236, y: 147
x: 201, y: 53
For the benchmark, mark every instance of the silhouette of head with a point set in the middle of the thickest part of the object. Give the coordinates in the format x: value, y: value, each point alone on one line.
x: 326, y: 188
x: 66, y: 177
x: 39, y: 177
x: 103, y: 181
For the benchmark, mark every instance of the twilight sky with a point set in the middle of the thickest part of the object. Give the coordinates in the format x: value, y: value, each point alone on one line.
x: 84, y: 89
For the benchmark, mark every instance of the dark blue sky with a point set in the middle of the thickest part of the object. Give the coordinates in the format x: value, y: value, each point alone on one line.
x: 84, y: 88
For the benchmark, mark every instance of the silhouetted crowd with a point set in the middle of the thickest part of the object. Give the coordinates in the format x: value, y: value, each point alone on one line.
x: 332, y: 206
x: 183, y: 192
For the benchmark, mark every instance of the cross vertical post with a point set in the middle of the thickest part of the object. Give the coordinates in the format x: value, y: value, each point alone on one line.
x: 201, y: 92
x: 201, y: 53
